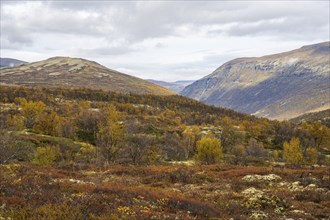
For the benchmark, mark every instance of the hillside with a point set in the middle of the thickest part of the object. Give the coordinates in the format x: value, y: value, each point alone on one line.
x: 322, y: 116
x: 9, y: 62
x: 91, y: 154
x: 176, y: 86
x: 77, y: 73
x: 280, y: 86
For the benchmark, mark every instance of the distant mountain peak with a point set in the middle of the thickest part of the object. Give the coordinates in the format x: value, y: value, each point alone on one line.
x: 10, y: 62
x: 176, y: 86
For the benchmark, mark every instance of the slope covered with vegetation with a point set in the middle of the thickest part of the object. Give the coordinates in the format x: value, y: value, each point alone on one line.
x: 322, y: 116
x: 86, y: 154
x: 69, y: 72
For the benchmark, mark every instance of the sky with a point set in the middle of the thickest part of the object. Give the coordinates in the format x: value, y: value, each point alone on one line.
x: 162, y: 40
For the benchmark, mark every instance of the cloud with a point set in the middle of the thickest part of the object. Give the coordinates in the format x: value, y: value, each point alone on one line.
x: 106, y: 51
x: 161, y: 37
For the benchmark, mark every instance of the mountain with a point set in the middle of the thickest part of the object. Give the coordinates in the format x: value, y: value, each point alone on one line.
x: 279, y: 86
x: 9, y: 62
x: 176, y: 86
x: 77, y: 73
x: 322, y: 116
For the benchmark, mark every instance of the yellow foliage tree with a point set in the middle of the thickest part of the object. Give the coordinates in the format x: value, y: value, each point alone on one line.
x: 275, y: 155
x: 110, y: 133
x: 15, y: 122
x: 320, y: 134
x: 48, y: 123
x: 311, y: 155
x: 45, y: 155
x: 31, y: 110
x: 292, y: 152
x: 209, y: 150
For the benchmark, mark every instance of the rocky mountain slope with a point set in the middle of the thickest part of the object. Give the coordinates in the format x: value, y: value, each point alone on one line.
x: 77, y: 73
x: 176, y: 86
x: 9, y: 62
x: 279, y: 86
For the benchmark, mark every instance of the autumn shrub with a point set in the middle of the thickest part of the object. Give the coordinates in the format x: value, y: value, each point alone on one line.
x: 46, y: 211
x: 276, y: 155
x: 46, y: 155
x: 312, y: 196
x: 15, y: 122
x: 12, y: 149
x: 31, y: 110
x: 86, y: 154
x: 292, y: 152
x: 239, y: 153
x: 311, y: 155
x: 202, y: 209
x: 182, y: 175
x: 48, y: 123
x: 209, y: 150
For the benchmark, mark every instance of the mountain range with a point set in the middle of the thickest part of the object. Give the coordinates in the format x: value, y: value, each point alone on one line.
x: 69, y: 72
x: 279, y: 86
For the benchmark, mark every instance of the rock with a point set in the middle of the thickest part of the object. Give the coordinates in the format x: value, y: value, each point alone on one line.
x: 295, y: 186
x: 259, y: 215
x: 252, y: 191
x: 261, y: 178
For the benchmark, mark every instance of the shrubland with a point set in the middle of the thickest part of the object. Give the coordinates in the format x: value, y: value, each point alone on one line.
x: 85, y: 154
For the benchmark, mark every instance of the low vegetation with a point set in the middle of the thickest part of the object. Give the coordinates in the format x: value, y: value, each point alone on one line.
x: 163, y: 192
x: 83, y: 154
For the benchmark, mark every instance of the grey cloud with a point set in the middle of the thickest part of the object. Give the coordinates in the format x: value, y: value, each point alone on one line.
x: 114, y: 29
x: 105, y: 51
x: 138, y: 21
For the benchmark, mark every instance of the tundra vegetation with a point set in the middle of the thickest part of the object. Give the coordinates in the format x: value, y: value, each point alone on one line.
x: 86, y: 154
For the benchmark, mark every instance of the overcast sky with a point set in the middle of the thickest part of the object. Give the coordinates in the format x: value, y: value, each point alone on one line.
x: 173, y: 40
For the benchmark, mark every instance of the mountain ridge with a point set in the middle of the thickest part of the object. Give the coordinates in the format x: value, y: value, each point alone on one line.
x: 278, y: 86
x: 77, y: 73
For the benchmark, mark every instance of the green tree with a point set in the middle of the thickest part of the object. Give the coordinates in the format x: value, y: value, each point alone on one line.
x: 292, y: 152
x: 209, y: 150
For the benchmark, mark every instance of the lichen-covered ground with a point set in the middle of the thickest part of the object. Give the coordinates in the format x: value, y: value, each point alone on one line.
x: 163, y: 192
